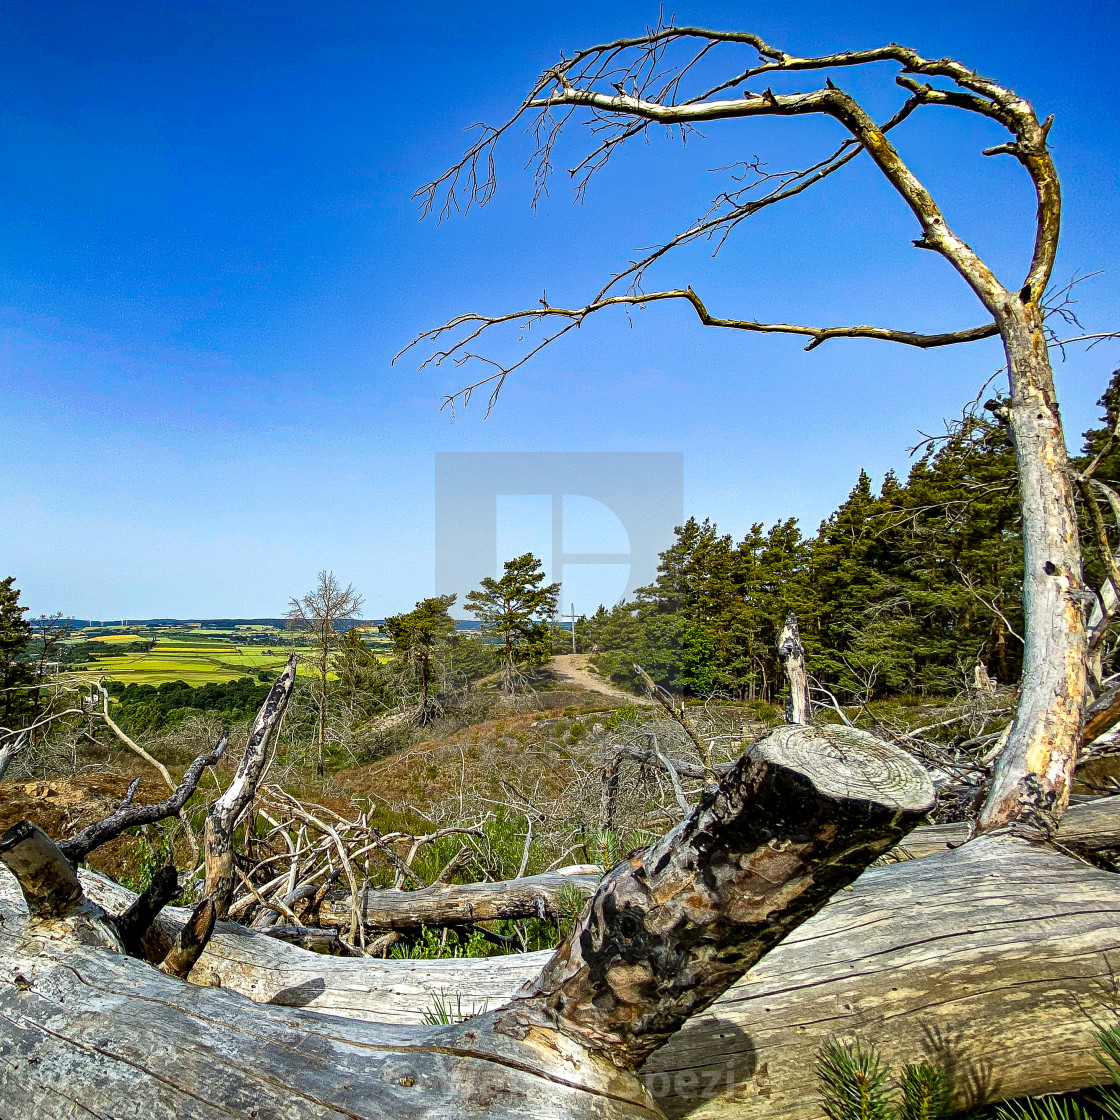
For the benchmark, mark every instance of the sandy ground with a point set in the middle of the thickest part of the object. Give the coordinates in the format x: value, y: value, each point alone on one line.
x: 575, y: 667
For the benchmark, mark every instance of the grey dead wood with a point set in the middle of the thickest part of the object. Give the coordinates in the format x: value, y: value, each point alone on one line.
x: 792, y: 655
x: 84, y: 1020
x: 1001, y: 947
x: 534, y: 896
x: 223, y: 815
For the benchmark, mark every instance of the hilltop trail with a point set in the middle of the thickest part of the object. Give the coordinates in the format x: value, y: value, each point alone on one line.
x: 576, y: 668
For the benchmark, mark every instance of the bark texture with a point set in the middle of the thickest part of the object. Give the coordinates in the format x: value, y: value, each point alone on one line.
x: 803, y: 812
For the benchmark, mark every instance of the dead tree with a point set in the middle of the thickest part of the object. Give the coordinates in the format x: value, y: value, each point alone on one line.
x: 792, y: 654
x: 798, y: 817
x: 624, y: 87
x: 226, y: 812
x: 317, y: 613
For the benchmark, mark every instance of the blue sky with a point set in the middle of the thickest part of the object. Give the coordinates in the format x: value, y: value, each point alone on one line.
x: 209, y: 257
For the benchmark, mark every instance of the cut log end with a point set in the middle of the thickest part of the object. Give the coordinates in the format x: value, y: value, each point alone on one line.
x: 846, y: 764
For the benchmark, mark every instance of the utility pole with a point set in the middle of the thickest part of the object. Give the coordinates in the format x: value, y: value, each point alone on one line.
x: 572, y: 616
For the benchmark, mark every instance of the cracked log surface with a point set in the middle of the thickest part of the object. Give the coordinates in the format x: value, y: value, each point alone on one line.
x: 1000, y: 947
x: 89, y: 1033
x: 800, y: 815
x: 81, y: 1027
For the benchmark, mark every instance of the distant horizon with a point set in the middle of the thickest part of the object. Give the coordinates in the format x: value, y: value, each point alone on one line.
x: 212, y: 255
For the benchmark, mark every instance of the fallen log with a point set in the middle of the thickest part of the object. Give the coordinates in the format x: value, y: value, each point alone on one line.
x: 798, y: 817
x: 534, y: 896
x: 986, y: 959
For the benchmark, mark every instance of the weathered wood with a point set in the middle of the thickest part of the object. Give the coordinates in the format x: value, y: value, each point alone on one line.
x: 1033, y: 774
x: 313, y: 939
x: 1103, y: 713
x: 985, y: 959
x: 223, y: 815
x: 400, y: 991
x: 191, y: 941
x: 792, y: 655
x: 799, y: 817
x: 545, y: 1061
x: 47, y: 879
x: 86, y: 1032
x: 535, y: 896
x: 1093, y: 826
x: 135, y: 922
x: 77, y: 847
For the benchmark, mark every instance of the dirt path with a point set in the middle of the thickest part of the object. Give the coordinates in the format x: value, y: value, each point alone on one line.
x: 575, y: 668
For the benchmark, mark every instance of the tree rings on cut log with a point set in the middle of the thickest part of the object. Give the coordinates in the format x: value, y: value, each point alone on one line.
x: 845, y: 763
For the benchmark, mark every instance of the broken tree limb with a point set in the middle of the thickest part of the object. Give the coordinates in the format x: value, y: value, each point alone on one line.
x: 792, y: 655
x: 10, y: 747
x: 535, y: 896
x: 680, y: 716
x: 48, y: 880
x: 191, y: 941
x: 799, y: 817
x: 77, y: 847
x: 224, y: 814
x: 135, y: 922
x: 998, y: 947
x: 398, y: 991
x: 984, y: 960
x: 875, y: 792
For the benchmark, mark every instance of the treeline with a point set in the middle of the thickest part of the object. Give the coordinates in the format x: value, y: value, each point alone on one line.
x: 904, y: 589
x: 148, y: 707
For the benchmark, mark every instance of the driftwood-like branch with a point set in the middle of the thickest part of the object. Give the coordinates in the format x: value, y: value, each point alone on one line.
x: 536, y: 896
x: 668, y: 931
x: 77, y: 847
x: 191, y: 941
x: 224, y: 814
x: 792, y: 655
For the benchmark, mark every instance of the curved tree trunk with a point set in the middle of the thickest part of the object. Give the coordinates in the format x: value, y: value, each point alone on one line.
x: 1034, y: 771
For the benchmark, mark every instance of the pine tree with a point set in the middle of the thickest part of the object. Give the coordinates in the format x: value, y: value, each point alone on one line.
x: 517, y: 608
x: 16, y: 677
x: 418, y: 638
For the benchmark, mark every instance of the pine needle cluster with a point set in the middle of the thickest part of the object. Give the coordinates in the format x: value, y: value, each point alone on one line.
x: 856, y: 1084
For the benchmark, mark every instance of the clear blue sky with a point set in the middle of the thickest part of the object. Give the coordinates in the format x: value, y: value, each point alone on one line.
x: 209, y: 257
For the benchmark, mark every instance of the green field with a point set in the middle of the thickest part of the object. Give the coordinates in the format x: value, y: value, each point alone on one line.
x: 196, y: 660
